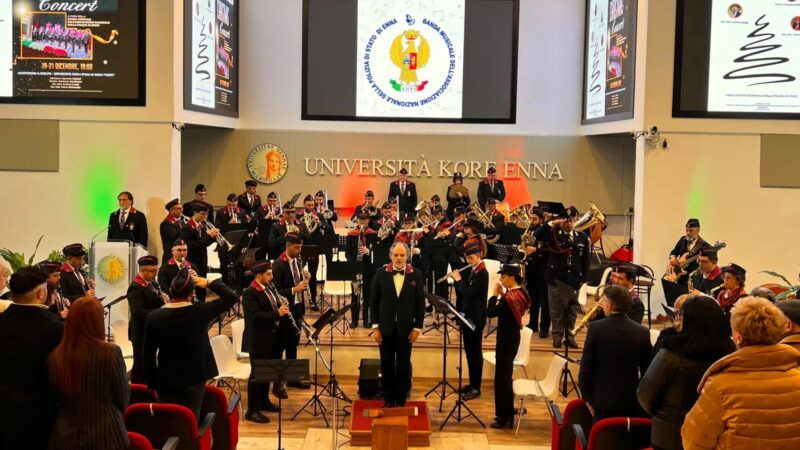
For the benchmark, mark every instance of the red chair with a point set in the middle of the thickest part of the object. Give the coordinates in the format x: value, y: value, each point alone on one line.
x: 226, y: 425
x: 576, y: 413
x: 139, y: 442
x: 161, y: 421
x: 140, y: 393
x: 619, y: 433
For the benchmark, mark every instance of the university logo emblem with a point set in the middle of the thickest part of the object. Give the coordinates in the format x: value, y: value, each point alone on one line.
x: 267, y: 163
x: 409, y: 58
x: 111, y: 269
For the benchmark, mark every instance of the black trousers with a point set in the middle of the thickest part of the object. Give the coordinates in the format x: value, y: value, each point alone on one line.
x: 313, y: 265
x: 189, y: 396
x: 506, y: 350
x: 137, y: 371
x: 472, y: 348
x: 395, y: 368
x: 537, y: 288
x: 289, y: 338
x: 357, y: 305
x: 258, y: 391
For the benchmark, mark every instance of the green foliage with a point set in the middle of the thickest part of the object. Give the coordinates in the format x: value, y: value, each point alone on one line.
x: 17, y: 260
x: 790, y: 288
x: 56, y: 255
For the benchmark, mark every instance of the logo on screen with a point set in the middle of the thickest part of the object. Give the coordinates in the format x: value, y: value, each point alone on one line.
x: 111, y: 269
x: 408, y: 57
x: 267, y: 163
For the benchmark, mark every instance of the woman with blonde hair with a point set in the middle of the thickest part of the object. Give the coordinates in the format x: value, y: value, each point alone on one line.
x: 749, y: 399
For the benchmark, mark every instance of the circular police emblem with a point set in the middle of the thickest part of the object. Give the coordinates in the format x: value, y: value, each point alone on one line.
x: 267, y: 163
x: 111, y: 269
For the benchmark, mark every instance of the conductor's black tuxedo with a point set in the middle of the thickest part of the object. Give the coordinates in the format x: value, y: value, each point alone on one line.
x: 135, y: 228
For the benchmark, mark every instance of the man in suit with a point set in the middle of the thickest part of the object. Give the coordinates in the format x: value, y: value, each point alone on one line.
x: 74, y: 284
x: 198, y: 239
x: 144, y: 296
x: 359, y: 247
x: 249, y: 201
x: 406, y: 191
x: 615, y: 356
x: 230, y: 213
x: 263, y: 313
x: 29, y: 332
x: 369, y: 204
x: 227, y: 218
x: 312, y: 226
x: 490, y: 187
x: 171, y: 226
x: 200, y: 195
x: 178, y: 261
x: 277, y: 234
x: 127, y: 223
x: 687, y: 246
x: 267, y: 215
x: 56, y: 303
x: 624, y: 275
x: 397, y: 311
x: 710, y: 274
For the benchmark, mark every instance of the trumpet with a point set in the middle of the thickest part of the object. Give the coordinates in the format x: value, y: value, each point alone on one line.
x: 592, y: 312
x: 468, y: 266
x: 291, y: 228
x: 221, y: 241
x: 386, y: 228
x: 285, y: 303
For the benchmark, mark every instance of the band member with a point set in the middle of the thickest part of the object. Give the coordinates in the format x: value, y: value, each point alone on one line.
x: 396, y: 312
x: 437, y: 253
x: 412, y: 237
x: 311, y: 229
x: 497, y: 218
x: 567, y: 267
x: 171, y: 226
x: 457, y: 195
x: 708, y: 276
x: 74, y: 284
x: 144, y: 296
x: 360, y: 242
x: 508, y: 307
x: 436, y: 201
x: 474, y: 291
x: 393, y: 205
x: 268, y: 214
x: 471, y: 231
x: 249, y: 201
x: 369, y: 207
x: 277, y: 234
x: 263, y: 313
x: 386, y: 228
x: 198, y: 238
x: 535, y: 262
x: 732, y: 288
x: 56, y: 303
x: 406, y: 191
x: 291, y: 283
x: 490, y: 187
x: 323, y: 210
x: 127, y: 223
x: 625, y: 275
x: 231, y: 213
x: 200, y: 195
x: 173, y: 266
x: 686, y: 247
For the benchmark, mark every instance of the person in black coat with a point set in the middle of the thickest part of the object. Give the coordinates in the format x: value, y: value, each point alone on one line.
x: 457, y: 196
x: 369, y: 206
x: 473, y: 289
x: 312, y: 226
x: 177, y: 353
x: 266, y: 216
x: 249, y: 201
x: 263, y: 312
x: 170, y: 228
x: 668, y: 389
x: 359, y: 248
x: 709, y: 274
x: 616, y: 354
x: 144, y: 296
x: 490, y: 187
x: 687, y: 246
x: 397, y: 310
x: 29, y: 332
x: 277, y: 233
x: 536, y: 256
x: 200, y: 195
x: 198, y: 239
x: 127, y: 223
x: 508, y: 307
x: 406, y: 191
x: 624, y: 275
x: 74, y: 284
x: 173, y: 266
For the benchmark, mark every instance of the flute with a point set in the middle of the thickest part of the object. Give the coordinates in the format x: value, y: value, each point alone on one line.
x: 451, y: 273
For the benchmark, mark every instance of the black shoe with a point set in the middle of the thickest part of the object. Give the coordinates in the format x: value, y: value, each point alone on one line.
x: 354, y: 324
x: 271, y: 407
x: 388, y: 404
x: 502, y: 423
x: 299, y: 384
x: 465, y: 389
x: 571, y: 342
x: 255, y: 416
x: 472, y: 394
x: 280, y: 392
x: 543, y: 334
x: 314, y: 307
x: 556, y: 342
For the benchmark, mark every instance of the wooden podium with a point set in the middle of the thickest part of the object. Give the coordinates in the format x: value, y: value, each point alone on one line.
x: 389, y: 428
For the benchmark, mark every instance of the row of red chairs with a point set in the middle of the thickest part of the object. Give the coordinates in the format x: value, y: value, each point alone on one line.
x: 569, y: 431
x: 160, y: 423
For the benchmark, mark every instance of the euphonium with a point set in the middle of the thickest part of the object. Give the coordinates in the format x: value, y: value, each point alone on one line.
x: 592, y: 312
x: 424, y: 215
x: 521, y: 213
x: 590, y: 218
x: 484, y: 218
x: 311, y: 222
x: 386, y: 228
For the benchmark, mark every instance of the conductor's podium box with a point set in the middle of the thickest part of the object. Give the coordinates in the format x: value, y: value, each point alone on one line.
x: 361, y: 425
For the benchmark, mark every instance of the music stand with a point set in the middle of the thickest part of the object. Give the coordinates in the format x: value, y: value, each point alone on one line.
x: 672, y: 291
x: 315, y: 400
x: 108, y: 313
x: 310, y: 253
x: 343, y: 271
x: 566, y: 376
x: 279, y: 371
x: 330, y: 317
x: 440, y: 304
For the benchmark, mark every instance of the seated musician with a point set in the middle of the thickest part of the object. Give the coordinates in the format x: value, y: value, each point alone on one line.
x: 412, y: 237
x: 625, y: 275
x: 268, y: 214
x: 708, y: 276
x: 369, y: 207
x: 497, y: 218
x: 277, y: 235
x: 732, y: 289
x: 386, y: 228
x: 360, y: 243
x: 687, y: 246
x: 322, y: 209
x: 457, y: 195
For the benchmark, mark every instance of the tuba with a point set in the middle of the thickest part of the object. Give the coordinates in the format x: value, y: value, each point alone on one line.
x: 589, y: 222
x: 521, y: 214
x: 484, y: 218
x: 424, y: 214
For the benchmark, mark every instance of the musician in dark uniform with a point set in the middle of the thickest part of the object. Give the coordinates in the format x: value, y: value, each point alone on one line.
x: 497, y: 218
x: 396, y: 312
x: 127, y: 223
x: 320, y: 206
x: 56, y: 303
x: 535, y: 261
x: 437, y: 253
x: 171, y: 226
x: 732, y: 290
x: 386, y: 228
x: 74, y: 283
x: 369, y: 205
x: 409, y: 235
x: 200, y: 195
x: 144, y: 296
x: 625, y: 275
x: 198, y: 239
x: 457, y: 196
x: 249, y: 201
x: 407, y: 192
x: 359, y: 248
x: 687, y: 246
x: 508, y: 307
x: 263, y: 313
x: 229, y: 215
x: 566, y: 272
x: 490, y: 187
x: 474, y: 289
x: 311, y: 229
x: 277, y: 234
x: 177, y: 261
x: 709, y: 275
x: 268, y: 214
x: 291, y: 283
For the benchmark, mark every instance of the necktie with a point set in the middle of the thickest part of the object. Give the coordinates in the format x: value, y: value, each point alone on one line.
x: 403, y: 188
x: 491, y: 186
x: 123, y: 216
x: 399, y: 272
x: 250, y: 199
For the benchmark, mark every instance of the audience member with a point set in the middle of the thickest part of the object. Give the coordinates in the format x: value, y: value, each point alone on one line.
x: 750, y: 398
x: 791, y: 332
x: 669, y: 388
x: 91, y: 383
x: 673, y: 330
x: 761, y: 291
x: 5, y: 272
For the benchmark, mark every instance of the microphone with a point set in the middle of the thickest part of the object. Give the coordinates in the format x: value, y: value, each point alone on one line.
x: 98, y: 233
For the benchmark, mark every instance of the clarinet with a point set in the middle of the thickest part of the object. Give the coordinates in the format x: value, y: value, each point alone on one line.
x: 161, y: 294
x: 285, y: 302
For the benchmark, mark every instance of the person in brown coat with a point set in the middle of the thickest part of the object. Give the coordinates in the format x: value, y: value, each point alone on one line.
x: 749, y: 399
x: 791, y: 333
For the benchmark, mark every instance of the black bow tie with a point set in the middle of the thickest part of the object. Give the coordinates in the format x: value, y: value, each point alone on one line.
x: 399, y: 272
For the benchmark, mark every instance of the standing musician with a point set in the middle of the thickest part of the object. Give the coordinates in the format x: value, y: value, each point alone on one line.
x: 471, y: 231
x: 704, y: 279
x: 566, y: 271
x: 267, y: 215
x: 56, y: 303
x: 624, y: 275
x: 263, y: 313
x: 369, y: 206
x: 408, y: 235
x: 535, y: 261
x: 144, y: 296
x: 386, y: 228
x: 249, y: 201
x: 457, y: 195
x: 231, y: 213
x: 437, y: 252
x: 396, y: 311
x: 277, y: 234
x: 732, y: 288
x: 178, y: 261
x: 687, y: 246
x: 171, y: 226
x: 200, y: 195
x: 360, y: 243
x: 127, y: 223
x: 406, y: 191
x: 508, y: 307
x: 497, y: 218
x: 74, y: 284
x: 320, y: 206
x: 291, y: 283
x: 490, y: 187
x: 198, y: 238
x: 312, y: 227
x: 473, y: 290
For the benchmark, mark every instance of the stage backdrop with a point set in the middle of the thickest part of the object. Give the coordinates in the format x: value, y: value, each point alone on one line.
x: 574, y: 170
